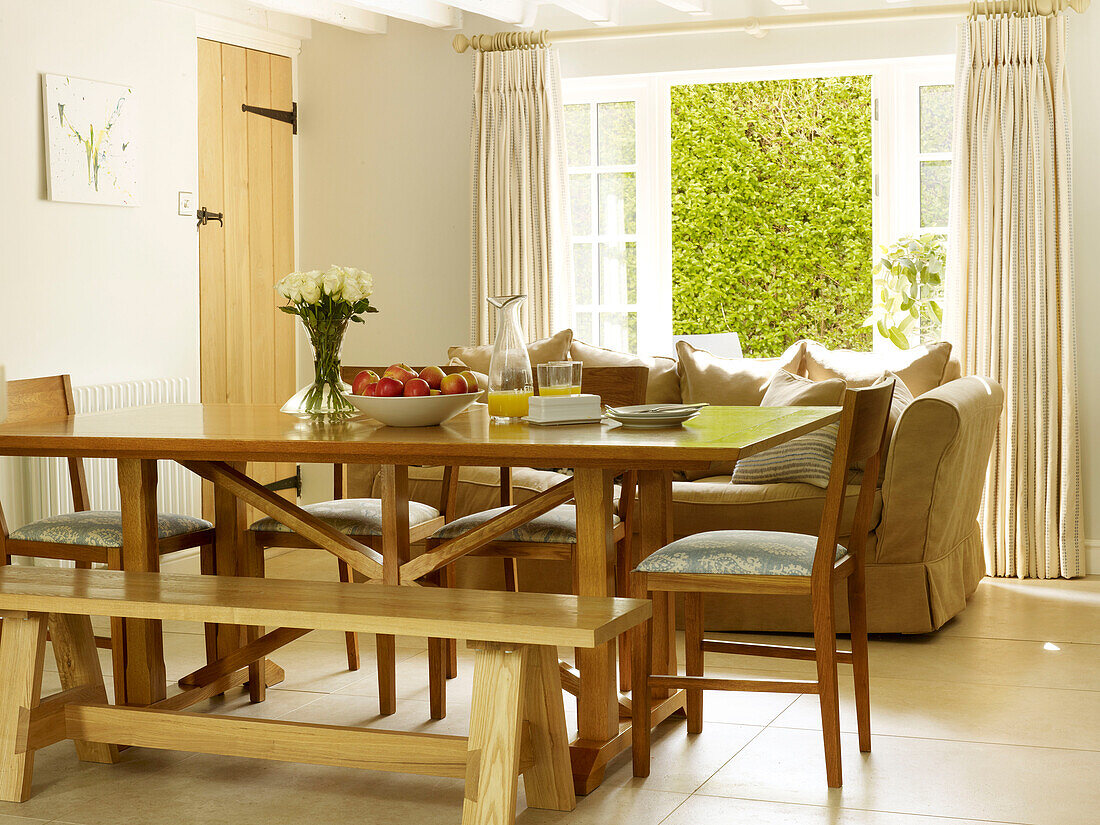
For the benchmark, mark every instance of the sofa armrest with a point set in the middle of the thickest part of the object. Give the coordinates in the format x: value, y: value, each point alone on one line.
x: 936, y: 470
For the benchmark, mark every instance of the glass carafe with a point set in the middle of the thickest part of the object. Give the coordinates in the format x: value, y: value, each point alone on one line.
x: 510, y: 381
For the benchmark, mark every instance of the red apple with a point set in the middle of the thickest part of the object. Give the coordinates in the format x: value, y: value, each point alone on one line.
x: 400, y: 372
x: 416, y: 387
x: 370, y: 389
x: 453, y: 385
x: 433, y: 375
x: 471, y: 381
x: 388, y: 388
x: 363, y: 380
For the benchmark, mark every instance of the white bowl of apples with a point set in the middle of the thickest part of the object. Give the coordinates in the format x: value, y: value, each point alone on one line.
x: 402, y: 398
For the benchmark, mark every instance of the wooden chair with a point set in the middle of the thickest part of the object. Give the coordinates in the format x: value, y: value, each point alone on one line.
x: 754, y: 562
x: 86, y: 536
x: 362, y: 519
x: 554, y: 534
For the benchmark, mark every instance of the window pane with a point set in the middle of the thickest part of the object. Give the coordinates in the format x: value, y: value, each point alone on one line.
x: 618, y: 203
x: 578, y: 134
x: 936, y: 118
x: 582, y: 328
x: 618, y: 273
x: 582, y: 273
x: 580, y: 203
x: 619, y: 330
x: 615, y: 129
x: 935, y: 192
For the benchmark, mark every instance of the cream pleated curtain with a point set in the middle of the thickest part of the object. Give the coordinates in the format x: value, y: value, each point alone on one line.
x: 1012, y: 241
x: 521, y: 243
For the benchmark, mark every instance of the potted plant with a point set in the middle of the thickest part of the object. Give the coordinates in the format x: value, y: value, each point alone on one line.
x: 909, y: 287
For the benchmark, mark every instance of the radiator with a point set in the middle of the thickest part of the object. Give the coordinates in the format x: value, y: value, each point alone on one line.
x: 47, y: 479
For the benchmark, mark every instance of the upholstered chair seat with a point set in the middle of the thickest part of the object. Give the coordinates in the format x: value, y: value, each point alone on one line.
x: 559, y: 526
x: 738, y: 553
x: 351, y: 516
x: 101, y: 528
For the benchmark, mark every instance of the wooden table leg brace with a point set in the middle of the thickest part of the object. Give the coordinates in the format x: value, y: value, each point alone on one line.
x: 517, y: 725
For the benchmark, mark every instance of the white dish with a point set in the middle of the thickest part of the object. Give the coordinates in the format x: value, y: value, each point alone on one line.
x: 651, y: 423
x: 538, y: 423
x: 419, y: 411
x: 653, y: 416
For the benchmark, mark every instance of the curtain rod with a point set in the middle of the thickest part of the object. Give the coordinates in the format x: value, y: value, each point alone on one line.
x: 756, y: 26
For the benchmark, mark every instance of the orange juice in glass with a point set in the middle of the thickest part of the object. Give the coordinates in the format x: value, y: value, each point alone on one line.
x: 509, y: 403
x: 559, y: 378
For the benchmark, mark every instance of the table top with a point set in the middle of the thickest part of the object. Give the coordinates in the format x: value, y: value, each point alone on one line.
x: 244, y: 432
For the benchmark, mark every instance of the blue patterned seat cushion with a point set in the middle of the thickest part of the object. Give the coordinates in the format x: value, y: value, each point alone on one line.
x: 101, y: 528
x: 738, y: 553
x: 351, y: 516
x: 559, y: 526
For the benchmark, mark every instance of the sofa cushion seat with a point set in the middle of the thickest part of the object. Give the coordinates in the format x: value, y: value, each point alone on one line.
x: 559, y: 526
x: 716, y: 504
x: 738, y: 553
x: 101, y: 528
x: 351, y: 516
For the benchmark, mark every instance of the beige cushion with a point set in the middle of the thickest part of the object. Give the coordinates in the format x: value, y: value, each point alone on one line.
x: 788, y: 390
x: 736, y: 382
x: 807, y: 459
x: 664, y: 383
x: 558, y: 526
x: 554, y: 348
x: 921, y: 368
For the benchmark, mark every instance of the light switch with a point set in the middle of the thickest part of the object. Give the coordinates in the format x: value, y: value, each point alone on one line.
x: 186, y: 205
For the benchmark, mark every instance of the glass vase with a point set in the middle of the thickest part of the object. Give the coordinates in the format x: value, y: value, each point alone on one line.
x: 323, y: 400
x: 510, y: 381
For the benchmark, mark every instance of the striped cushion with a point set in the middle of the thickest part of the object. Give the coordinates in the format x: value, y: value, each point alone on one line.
x: 806, y: 459
x: 351, y: 516
x: 101, y: 528
x: 559, y: 526
x: 738, y: 553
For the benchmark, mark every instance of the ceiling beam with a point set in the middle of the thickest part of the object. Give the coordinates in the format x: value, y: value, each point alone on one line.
x: 329, y: 11
x: 694, y: 7
x: 506, y: 11
x: 426, y: 12
x: 600, y: 12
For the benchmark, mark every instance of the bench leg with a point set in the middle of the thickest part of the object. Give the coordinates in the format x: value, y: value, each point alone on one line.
x: 22, y: 649
x: 495, y: 724
x: 549, y: 781
x: 78, y: 666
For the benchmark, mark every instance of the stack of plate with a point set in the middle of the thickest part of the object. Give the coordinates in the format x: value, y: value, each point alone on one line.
x: 652, y: 416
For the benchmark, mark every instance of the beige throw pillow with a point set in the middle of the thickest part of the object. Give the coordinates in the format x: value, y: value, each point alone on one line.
x: 788, y: 390
x: 664, y: 383
x: 733, y: 382
x: 921, y: 368
x: 554, y: 348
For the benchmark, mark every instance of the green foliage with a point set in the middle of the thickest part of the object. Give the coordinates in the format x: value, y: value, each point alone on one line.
x: 909, y: 281
x: 771, y: 211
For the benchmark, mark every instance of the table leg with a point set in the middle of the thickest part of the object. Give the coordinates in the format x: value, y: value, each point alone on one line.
x: 395, y: 552
x: 597, y: 701
x: 229, y: 556
x: 145, y: 681
x: 655, y: 531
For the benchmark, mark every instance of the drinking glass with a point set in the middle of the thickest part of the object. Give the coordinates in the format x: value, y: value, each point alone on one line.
x: 560, y: 378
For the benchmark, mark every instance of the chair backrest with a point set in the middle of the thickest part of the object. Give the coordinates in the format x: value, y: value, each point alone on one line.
x: 861, y: 436
x: 47, y: 399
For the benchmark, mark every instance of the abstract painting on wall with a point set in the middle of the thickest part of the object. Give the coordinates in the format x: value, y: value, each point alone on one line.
x: 92, y: 155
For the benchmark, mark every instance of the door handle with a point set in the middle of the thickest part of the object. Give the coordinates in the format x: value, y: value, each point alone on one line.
x: 205, y: 215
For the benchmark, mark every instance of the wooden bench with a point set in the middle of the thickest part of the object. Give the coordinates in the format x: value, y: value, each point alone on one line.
x: 517, y: 722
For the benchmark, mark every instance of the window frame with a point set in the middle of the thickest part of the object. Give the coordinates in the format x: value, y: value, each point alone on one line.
x: 895, y: 85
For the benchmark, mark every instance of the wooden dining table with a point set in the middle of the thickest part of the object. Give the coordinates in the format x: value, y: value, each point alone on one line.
x: 216, y: 442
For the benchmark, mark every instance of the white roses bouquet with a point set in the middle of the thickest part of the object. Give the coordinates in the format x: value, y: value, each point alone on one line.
x: 326, y: 302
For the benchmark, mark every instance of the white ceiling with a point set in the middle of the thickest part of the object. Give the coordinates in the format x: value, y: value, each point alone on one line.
x: 371, y: 16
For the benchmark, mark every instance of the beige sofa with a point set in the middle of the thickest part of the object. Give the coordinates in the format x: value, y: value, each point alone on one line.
x: 925, y: 554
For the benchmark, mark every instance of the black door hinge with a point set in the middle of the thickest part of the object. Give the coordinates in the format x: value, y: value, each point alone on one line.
x: 290, y: 117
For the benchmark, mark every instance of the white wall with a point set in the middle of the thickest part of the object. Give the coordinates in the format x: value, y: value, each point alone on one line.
x: 103, y: 292
x: 385, y: 182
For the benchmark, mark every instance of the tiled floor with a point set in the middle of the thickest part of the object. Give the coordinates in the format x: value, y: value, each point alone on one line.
x: 995, y: 718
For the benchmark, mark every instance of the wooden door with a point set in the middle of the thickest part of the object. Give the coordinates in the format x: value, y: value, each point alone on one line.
x: 246, y: 170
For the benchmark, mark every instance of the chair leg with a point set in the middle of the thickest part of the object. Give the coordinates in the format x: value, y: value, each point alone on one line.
x: 640, y: 713
x: 208, y: 567
x: 693, y: 657
x: 450, y: 580
x: 438, y: 656
x: 253, y: 566
x: 857, y: 622
x: 118, y: 637
x: 351, y: 639
x: 511, y: 575
x: 825, y: 654
x: 623, y: 566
